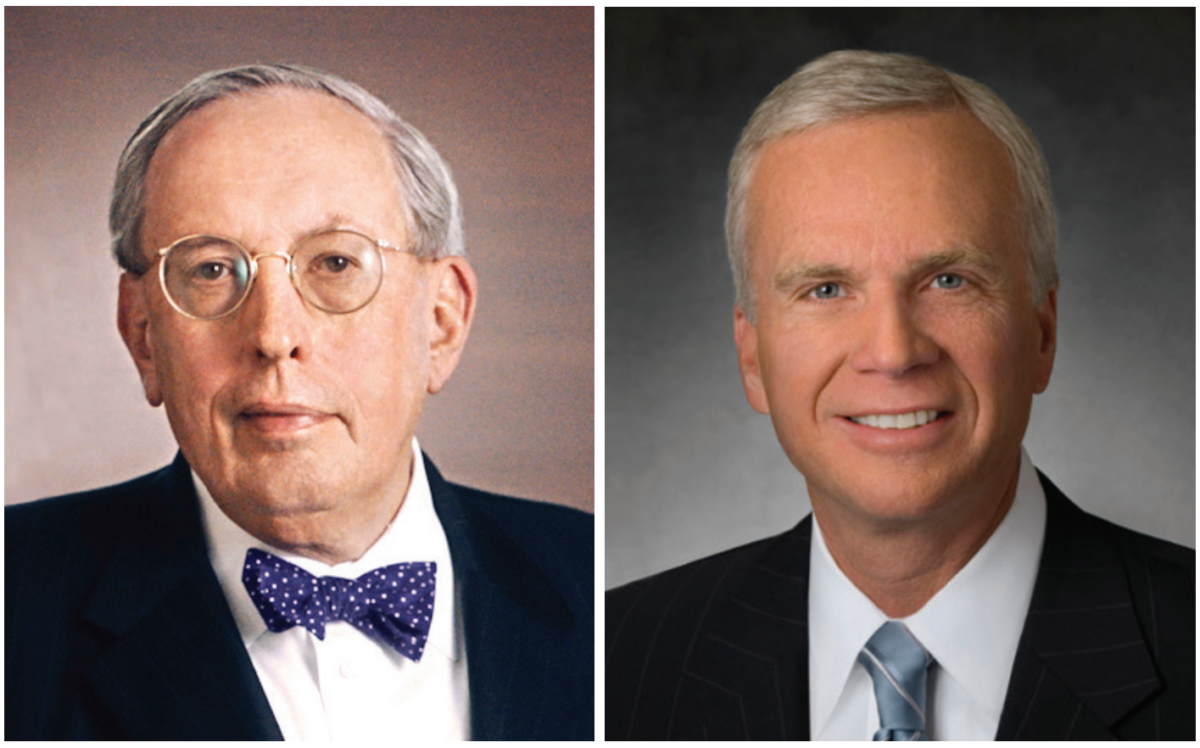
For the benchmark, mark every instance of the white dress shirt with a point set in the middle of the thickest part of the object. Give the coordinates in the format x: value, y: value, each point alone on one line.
x: 971, y: 627
x: 350, y: 687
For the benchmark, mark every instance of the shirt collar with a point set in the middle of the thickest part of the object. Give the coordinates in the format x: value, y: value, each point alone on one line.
x: 971, y: 626
x: 415, y: 534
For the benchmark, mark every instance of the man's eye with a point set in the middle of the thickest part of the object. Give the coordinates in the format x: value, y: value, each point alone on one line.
x: 333, y: 264
x: 826, y: 291
x: 211, y: 271
x: 948, y: 281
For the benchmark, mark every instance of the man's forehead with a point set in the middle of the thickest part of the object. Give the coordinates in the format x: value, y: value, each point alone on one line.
x: 921, y: 183
x: 913, y: 142
x: 268, y: 122
x: 280, y: 153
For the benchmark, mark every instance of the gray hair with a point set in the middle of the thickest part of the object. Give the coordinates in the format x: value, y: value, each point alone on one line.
x: 849, y: 84
x: 434, y: 215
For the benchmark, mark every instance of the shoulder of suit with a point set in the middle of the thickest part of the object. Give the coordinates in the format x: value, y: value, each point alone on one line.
x: 1132, y: 544
x: 539, y: 527
x: 1135, y: 548
x: 87, y: 516
x: 545, y: 511
x: 1151, y: 548
x: 651, y: 626
x: 686, y: 590
x: 510, y: 510
x: 56, y: 550
x: 1172, y: 566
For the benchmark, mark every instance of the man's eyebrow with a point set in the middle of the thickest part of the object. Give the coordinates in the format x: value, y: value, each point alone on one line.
x: 333, y: 222
x: 960, y: 255
x: 786, y: 280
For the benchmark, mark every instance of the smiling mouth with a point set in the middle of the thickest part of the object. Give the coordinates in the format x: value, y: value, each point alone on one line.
x: 898, y: 421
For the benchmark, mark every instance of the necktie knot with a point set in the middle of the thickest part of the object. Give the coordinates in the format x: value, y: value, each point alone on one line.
x: 392, y: 604
x: 335, y: 593
x: 899, y: 668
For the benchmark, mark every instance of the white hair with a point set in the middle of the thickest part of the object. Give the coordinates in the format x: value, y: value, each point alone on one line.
x: 849, y: 84
x: 434, y: 215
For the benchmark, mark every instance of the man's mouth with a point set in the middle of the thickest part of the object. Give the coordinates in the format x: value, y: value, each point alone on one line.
x: 284, y: 410
x: 898, y: 420
x: 279, y: 419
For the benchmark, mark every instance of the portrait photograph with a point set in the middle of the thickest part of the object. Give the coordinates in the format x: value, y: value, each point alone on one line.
x: 900, y: 374
x: 299, y: 336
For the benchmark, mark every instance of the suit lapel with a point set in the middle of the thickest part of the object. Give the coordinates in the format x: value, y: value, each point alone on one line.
x: 746, y: 677
x: 510, y: 613
x: 1082, y: 662
x: 176, y: 666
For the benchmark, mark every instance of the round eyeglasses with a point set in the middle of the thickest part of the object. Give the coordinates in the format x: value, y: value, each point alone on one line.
x: 207, y: 277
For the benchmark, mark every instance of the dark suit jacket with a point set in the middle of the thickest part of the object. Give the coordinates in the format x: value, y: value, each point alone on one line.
x: 116, y: 626
x: 718, y: 649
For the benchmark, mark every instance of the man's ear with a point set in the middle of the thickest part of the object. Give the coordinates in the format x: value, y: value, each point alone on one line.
x: 133, y: 320
x: 453, y: 310
x: 745, y: 337
x: 1047, y: 317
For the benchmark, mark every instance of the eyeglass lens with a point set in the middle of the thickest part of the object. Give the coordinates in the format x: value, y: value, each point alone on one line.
x: 337, y: 271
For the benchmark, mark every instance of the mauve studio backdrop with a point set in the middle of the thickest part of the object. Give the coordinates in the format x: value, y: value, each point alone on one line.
x: 690, y: 468
x: 506, y: 95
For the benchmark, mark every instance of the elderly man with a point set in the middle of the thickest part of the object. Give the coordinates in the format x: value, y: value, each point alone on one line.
x: 893, y: 246
x: 294, y: 288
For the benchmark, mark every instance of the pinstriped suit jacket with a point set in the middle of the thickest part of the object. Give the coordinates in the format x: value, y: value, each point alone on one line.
x: 718, y: 649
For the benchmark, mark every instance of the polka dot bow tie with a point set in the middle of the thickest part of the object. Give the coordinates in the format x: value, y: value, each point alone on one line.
x: 393, y: 604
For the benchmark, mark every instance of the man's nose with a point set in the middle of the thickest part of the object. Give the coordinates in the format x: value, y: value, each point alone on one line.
x: 890, y: 337
x: 274, y: 314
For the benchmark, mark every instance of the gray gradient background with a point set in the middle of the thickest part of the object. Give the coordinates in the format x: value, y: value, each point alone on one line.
x: 505, y: 94
x: 690, y: 468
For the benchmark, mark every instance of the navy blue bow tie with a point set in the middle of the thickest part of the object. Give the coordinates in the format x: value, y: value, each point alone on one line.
x: 392, y: 604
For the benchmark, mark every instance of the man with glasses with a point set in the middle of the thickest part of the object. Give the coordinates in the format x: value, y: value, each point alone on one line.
x: 294, y: 286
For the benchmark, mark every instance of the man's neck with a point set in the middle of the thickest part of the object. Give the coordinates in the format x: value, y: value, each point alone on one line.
x: 901, y: 566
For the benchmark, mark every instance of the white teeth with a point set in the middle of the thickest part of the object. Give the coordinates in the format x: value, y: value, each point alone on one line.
x: 902, y: 421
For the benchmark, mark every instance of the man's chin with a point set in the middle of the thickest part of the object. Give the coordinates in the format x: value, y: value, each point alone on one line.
x: 899, y: 497
x: 273, y: 478
x: 284, y: 496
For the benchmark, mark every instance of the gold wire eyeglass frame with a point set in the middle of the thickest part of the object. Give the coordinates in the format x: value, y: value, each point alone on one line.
x: 380, y: 245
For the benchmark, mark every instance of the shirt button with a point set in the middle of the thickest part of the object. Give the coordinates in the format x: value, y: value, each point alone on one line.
x: 348, y: 670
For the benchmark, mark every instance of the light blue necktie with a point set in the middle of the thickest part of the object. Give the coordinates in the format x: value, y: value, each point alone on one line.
x: 898, y: 665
